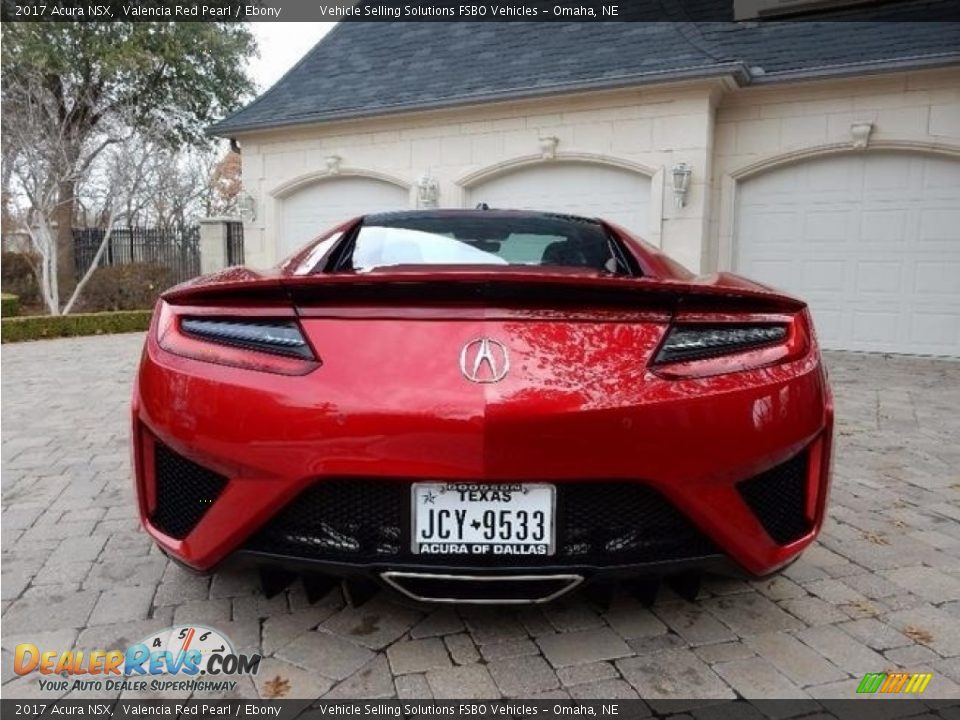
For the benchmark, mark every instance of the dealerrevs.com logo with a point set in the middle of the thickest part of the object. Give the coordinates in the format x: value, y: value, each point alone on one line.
x: 894, y: 682
x: 188, y: 657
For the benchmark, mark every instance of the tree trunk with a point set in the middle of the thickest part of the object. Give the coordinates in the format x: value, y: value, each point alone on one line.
x: 6, y: 222
x: 66, y: 266
x: 93, y: 266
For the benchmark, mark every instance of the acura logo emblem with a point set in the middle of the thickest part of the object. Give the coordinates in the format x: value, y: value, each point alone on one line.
x: 484, y: 361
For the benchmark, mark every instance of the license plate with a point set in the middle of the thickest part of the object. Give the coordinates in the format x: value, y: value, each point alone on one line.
x: 475, y: 519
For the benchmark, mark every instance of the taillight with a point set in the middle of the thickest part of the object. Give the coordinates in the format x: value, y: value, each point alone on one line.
x: 264, y: 344
x: 694, y: 343
x: 282, y: 338
x: 702, y: 348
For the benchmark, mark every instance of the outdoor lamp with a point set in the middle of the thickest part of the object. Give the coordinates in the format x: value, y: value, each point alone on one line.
x: 247, y: 205
x: 681, y: 182
x: 428, y: 192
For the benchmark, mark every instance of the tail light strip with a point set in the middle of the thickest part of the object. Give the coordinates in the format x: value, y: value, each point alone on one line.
x: 698, y: 346
x: 274, y: 346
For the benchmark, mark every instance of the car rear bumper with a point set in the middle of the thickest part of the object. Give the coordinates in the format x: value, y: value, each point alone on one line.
x: 785, y: 501
x: 724, y: 457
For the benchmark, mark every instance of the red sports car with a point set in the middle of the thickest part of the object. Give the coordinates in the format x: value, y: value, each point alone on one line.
x: 481, y: 406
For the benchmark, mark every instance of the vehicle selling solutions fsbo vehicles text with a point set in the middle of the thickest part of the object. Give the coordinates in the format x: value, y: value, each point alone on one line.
x: 464, y: 11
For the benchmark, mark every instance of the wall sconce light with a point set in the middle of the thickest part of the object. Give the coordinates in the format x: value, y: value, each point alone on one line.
x: 428, y: 192
x: 247, y: 205
x: 681, y: 182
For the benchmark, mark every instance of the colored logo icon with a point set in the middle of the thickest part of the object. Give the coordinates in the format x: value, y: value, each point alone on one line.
x: 905, y: 682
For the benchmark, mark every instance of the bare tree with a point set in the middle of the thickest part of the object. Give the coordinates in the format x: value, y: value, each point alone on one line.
x: 225, y: 182
x: 122, y: 178
x: 119, y: 174
x: 174, y: 187
x: 141, y: 163
x: 8, y: 152
x: 181, y: 185
x: 165, y: 78
x: 42, y: 158
x: 35, y: 161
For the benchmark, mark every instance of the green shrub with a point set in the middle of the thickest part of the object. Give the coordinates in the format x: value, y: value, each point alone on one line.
x: 38, y: 327
x: 124, y: 287
x: 18, y: 278
x: 9, y: 305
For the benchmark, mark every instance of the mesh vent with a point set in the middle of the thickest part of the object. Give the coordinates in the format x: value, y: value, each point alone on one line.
x: 185, y: 491
x: 339, y: 519
x: 616, y: 522
x: 598, y: 523
x: 778, y: 498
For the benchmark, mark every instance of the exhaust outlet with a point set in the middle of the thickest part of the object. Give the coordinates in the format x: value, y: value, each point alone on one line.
x: 481, y: 589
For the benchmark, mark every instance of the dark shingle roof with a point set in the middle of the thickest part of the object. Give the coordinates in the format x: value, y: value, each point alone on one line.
x: 363, y: 69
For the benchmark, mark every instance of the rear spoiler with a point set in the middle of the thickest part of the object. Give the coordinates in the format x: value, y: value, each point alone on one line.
x: 518, y: 289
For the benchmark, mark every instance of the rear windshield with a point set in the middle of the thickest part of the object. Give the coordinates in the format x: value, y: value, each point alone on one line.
x: 438, y: 240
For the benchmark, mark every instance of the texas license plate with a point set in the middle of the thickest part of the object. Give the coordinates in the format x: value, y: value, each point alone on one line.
x: 480, y: 519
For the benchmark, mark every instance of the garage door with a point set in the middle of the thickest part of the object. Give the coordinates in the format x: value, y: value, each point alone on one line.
x: 311, y: 210
x: 871, y: 242
x: 603, y: 191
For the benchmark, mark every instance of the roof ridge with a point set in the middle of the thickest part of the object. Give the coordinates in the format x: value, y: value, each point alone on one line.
x: 532, y: 92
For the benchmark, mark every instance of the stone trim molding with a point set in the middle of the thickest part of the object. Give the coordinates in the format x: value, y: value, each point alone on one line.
x: 332, y: 172
x: 730, y: 181
x: 560, y: 156
x: 288, y: 187
x: 654, y: 232
x: 769, y: 163
x: 860, y: 132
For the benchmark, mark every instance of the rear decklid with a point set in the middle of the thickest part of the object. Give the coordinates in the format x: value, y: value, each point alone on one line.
x: 476, y: 373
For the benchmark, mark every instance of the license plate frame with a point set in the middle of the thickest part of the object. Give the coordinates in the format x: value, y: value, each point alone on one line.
x: 524, y: 488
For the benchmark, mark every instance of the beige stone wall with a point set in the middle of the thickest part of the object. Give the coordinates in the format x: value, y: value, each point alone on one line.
x: 762, y: 127
x: 724, y: 133
x: 648, y: 129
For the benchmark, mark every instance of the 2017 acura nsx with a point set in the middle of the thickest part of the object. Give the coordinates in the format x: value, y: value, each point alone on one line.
x: 481, y: 406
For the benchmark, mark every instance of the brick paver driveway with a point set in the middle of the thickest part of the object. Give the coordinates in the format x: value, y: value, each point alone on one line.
x: 880, y: 591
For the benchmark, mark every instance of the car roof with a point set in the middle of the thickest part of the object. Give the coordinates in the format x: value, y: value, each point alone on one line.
x: 475, y: 214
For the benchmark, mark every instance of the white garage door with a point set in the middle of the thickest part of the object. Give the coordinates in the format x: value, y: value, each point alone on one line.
x: 871, y: 242
x: 311, y: 210
x: 610, y: 193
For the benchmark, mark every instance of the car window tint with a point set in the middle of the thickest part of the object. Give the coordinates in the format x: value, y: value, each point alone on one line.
x: 476, y: 240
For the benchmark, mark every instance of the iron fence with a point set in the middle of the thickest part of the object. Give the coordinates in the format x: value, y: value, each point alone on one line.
x: 234, y: 243
x: 176, y: 248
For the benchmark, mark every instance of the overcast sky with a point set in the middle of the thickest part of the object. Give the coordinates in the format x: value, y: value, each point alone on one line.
x: 282, y: 44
